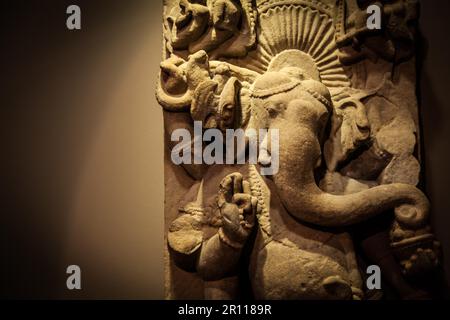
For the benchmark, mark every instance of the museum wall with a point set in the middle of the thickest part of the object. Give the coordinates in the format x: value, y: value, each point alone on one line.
x: 434, y: 72
x: 82, y: 159
x: 83, y: 166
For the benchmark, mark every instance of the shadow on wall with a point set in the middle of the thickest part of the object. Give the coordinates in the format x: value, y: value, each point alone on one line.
x: 435, y: 116
x: 83, y: 183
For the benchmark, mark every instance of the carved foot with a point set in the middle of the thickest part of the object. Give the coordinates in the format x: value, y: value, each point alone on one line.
x: 337, y: 288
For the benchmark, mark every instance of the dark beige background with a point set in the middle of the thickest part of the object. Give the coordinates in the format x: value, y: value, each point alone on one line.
x: 84, y: 160
x: 82, y: 146
x: 434, y: 97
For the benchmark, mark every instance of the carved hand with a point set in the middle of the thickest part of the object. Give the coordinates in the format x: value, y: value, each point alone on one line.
x: 237, y: 208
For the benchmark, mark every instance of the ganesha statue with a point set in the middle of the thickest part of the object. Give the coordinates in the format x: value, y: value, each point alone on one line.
x: 344, y: 194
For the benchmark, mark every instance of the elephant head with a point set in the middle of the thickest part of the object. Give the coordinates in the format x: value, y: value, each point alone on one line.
x: 299, y: 107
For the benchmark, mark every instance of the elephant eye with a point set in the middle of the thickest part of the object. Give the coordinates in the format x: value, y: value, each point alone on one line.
x: 347, y: 104
x: 274, y: 108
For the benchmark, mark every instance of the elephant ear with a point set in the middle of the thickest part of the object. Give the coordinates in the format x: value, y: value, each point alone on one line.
x: 204, y: 103
x: 350, y: 126
x: 229, y: 108
x: 222, y: 111
x: 260, y: 190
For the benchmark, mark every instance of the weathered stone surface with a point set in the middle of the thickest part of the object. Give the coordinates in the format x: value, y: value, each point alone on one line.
x: 343, y: 99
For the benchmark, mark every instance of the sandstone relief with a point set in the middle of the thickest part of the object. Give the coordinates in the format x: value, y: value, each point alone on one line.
x: 346, y: 193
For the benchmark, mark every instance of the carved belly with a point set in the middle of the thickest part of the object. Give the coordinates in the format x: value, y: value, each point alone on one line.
x: 279, y: 271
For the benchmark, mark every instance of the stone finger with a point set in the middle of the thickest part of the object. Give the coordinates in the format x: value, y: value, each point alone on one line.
x: 243, y: 201
x: 246, y: 187
x: 237, y: 183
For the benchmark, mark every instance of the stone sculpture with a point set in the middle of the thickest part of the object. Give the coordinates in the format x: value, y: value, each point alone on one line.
x: 345, y: 195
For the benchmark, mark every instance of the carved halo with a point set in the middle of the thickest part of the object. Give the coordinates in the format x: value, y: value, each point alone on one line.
x: 296, y: 25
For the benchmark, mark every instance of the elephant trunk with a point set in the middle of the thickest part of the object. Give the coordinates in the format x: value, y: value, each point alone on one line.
x: 309, y: 203
x: 305, y: 200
